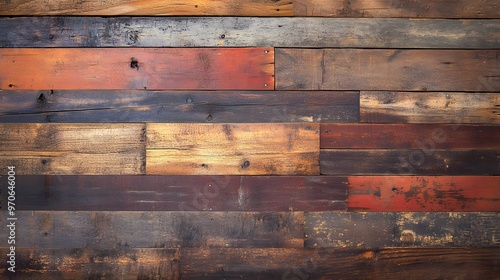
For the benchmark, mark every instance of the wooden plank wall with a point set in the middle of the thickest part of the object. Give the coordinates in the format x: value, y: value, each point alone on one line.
x: 254, y: 139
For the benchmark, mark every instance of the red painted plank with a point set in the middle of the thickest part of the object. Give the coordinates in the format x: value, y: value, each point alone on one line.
x: 409, y: 136
x: 424, y: 193
x: 137, y: 68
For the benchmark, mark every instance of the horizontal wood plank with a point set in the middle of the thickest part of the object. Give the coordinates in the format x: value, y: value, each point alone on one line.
x: 408, y: 162
x: 365, y: 69
x: 398, y: 8
x: 148, y: 8
x: 137, y: 68
x: 112, y: 229
x: 248, y: 32
x: 174, y: 193
x: 424, y: 193
x: 78, y: 263
x: 178, y: 106
x: 426, y: 137
x: 325, y: 263
x: 73, y: 148
x: 371, y: 230
x: 232, y: 149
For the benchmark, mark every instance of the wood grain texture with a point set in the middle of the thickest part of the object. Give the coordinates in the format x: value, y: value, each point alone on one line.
x: 247, y: 32
x: 174, y: 193
x: 430, y: 107
x: 424, y: 193
x: 426, y: 137
x: 77, y: 263
x: 148, y: 8
x: 364, y: 69
x: 137, y: 68
x: 73, y: 148
x: 232, y: 149
x: 403, y: 229
x: 178, y: 106
x: 325, y: 263
x: 409, y: 162
x: 133, y: 229
x: 398, y: 8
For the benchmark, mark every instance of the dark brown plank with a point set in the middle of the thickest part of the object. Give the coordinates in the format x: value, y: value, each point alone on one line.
x: 174, y: 193
x: 109, y: 263
x: 424, y: 193
x: 366, y: 69
x: 401, y: 162
x: 398, y: 8
x: 432, y: 107
x: 325, y: 263
x: 178, y: 106
x: 137, y: 68
x: 426, y: 137
x: 108, y: 229
x: 248, y: 32
x: 369, y: 230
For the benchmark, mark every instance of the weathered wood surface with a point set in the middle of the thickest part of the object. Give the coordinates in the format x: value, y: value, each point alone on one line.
x: 232, y: 149
x: 408, y: 162
x: 78, y: 263
x: 178, y: 106
x: 424, y: 193
x: 73, y: 148
x: 426, y: 137
x: 398, y: 8
x: 148, y: 8
x: 432, y: 107
x: 137, y: 68
x: 365, y: 69
x: 325, y: 263
x: 371, y: 230
x: 116, y: 229
x: 247, y: 32
x: 174, y: 193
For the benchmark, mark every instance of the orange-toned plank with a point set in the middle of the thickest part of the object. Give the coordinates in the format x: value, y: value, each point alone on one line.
x: 424, y: 193
x: 137, y: 68
x: 426, y: 137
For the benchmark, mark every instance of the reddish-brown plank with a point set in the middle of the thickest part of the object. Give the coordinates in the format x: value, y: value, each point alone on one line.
x: 424, y: 193
x: 137, y: 68
x: 409, y: 136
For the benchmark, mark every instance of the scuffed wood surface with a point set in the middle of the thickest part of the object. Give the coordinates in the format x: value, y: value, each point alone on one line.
x: 371, y: 230
x: 424, y: 193
x: 247, y: 32
x: 432, y: 107
x: 178, y: 106
x: 137, y: 68
x: 232, y: 149
x: 364, y: 69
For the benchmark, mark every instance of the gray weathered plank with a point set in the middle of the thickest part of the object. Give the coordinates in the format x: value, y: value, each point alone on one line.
x: 238, y: 31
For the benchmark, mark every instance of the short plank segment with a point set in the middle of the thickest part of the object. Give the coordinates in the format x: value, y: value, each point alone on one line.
x: 424, y: 193
x: 426, y: 137
x: 233, y: 149
x: 403, y: 229
x: 137, y: 68
x: 325, y: 263
x: 365, y: 69
x: 73, y: 148
x: 398, y: 8
x: 409, y: 162
x: 77, y: 263
x: 431, y: 107
x: 248, y: 32
x: 178, y: 106
x: 148, y: 8
x: 174, y: 193
x: 135, y: 229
